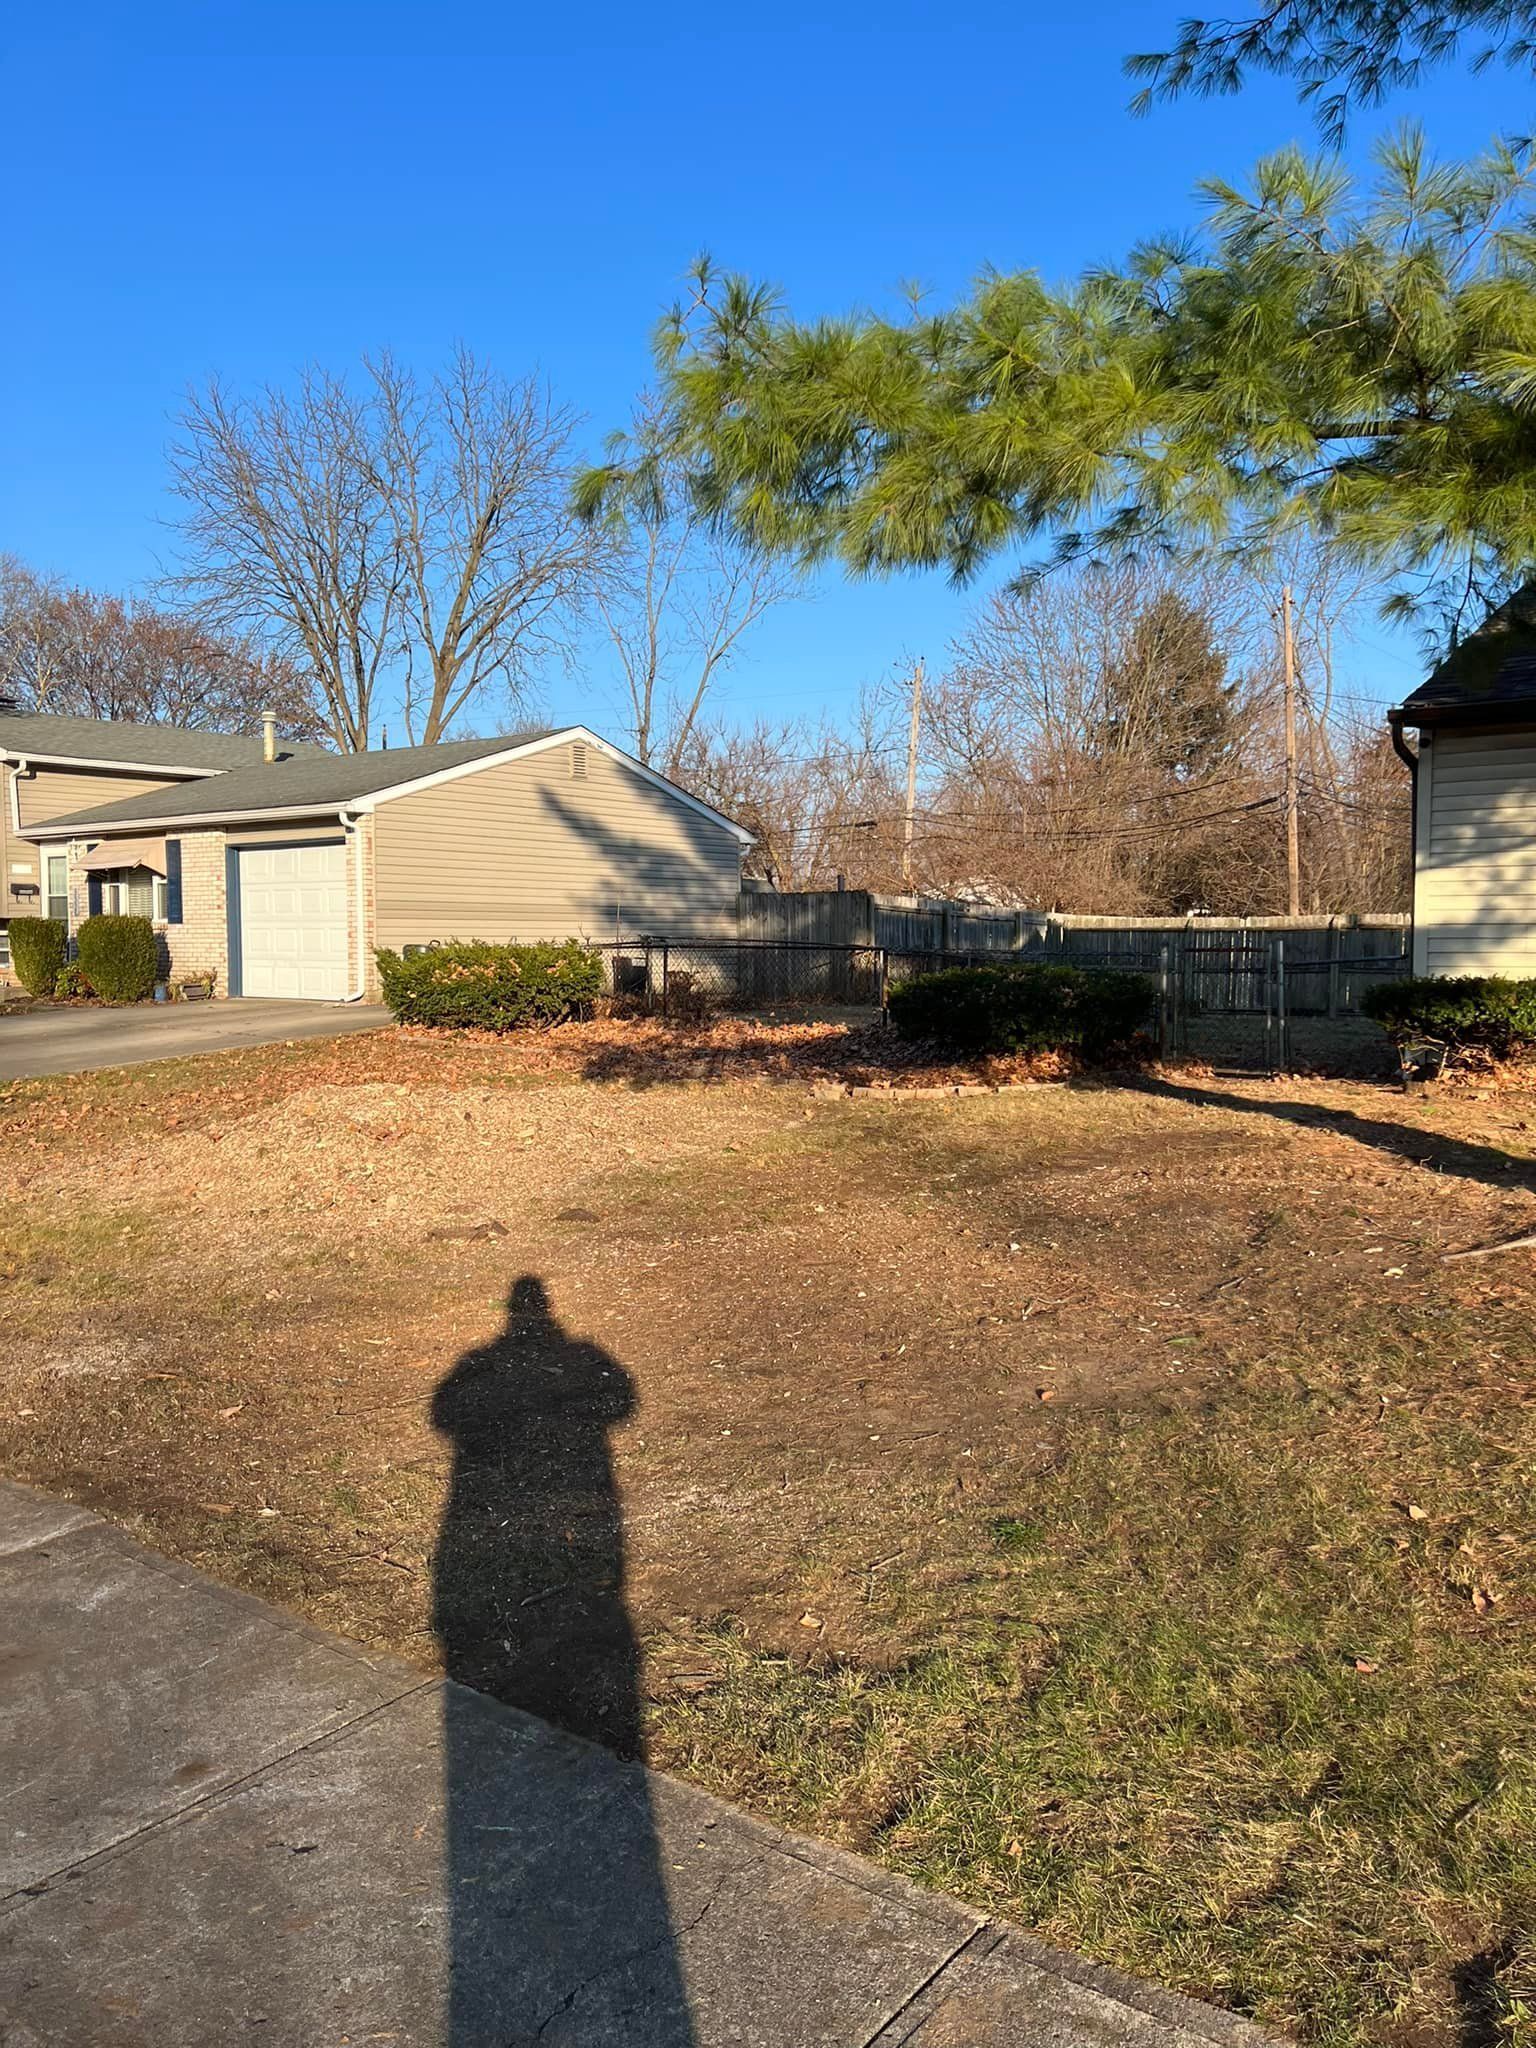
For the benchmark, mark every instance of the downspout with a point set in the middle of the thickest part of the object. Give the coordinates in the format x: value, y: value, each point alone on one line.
x: 351, y: 825
x: 19, y: 767
x: 1406, y: 753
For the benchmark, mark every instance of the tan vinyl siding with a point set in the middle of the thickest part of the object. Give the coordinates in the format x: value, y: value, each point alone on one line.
x: 528, y: 850
x: 55, y: 792
x: 1475, y: 884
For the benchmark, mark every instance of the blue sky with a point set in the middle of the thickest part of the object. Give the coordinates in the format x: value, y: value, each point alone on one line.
x: 235, y: 189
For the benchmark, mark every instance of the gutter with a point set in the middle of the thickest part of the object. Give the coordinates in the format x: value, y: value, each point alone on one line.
x: 86, y: 827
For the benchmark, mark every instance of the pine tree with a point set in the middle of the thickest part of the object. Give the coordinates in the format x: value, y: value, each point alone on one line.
x: 1167, y: 700
x: 1361, y: 363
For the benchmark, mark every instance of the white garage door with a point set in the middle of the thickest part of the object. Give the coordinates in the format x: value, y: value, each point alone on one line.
x: 293, y: 921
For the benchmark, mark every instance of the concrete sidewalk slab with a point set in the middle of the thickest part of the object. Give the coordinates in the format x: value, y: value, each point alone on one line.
x: 51, y: 1039
x: 362, y: 1855
x: 167, y: 1687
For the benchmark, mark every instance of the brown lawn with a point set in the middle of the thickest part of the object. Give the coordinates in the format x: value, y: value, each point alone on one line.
x: 1098, y: 1499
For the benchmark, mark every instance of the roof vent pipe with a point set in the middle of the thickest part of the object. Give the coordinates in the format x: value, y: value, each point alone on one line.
x: 269, y: 735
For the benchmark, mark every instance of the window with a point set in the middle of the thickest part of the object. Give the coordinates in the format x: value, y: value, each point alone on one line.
x: 133, y: 892
x: 56, y: 886
x: 5, y: 947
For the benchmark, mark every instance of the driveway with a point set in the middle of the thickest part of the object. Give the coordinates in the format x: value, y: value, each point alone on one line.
x: 63, y: 1040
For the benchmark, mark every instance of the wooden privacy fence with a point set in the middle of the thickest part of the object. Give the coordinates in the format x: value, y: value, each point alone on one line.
x: 1216, y: 965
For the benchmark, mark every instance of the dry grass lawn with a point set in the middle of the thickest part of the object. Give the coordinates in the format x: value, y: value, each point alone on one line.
x: 1098, y: 1500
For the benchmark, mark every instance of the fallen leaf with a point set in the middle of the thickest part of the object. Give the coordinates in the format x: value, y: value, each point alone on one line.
x: 1416, y: 1513
x: 811, y: 1621
x: 226, y: 1413
x: 1482, y: 1599
x: 1364, y: 1664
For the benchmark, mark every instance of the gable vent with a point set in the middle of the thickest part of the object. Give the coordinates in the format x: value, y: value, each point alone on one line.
x: 578, y: 760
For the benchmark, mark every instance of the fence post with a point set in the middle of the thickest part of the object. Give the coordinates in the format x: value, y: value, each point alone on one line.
x: 1164, y: 1002
x: 1282, y: 1012
x: 666, y: 976
x: 883, y: 981
x: 1333, y: 966
x: 650, y: 986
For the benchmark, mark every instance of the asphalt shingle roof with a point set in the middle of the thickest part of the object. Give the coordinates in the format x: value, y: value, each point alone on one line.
x: 307, y: 782
x: 1492, y: 670
x: 147, y: 746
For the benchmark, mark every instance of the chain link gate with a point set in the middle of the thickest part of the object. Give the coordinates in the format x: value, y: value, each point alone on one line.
x: 1204, y: 982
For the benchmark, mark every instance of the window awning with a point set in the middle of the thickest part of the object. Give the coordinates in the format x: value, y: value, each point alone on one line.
x: 125, y: 853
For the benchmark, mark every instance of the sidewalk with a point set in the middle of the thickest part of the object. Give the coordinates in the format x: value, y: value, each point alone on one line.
x: 222, y: 1825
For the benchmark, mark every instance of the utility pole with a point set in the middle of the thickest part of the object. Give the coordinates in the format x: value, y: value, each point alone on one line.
x: 1292, y: 802
x: 911, y: 813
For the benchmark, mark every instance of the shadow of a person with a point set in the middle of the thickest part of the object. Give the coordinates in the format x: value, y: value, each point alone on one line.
x: 560, y: 1928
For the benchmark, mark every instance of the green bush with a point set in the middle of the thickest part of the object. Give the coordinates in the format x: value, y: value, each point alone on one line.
x: 1462, y: 1010
x: 1023, y: 1009
x: 38, y: 945
x: 71, y: 984
x: 473, y: 984
x: 118, y: 957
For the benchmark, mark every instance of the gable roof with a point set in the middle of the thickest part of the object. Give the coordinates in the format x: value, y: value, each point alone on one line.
x: 114, y: 743
x: 1490, y: 677
x: 312, y: 782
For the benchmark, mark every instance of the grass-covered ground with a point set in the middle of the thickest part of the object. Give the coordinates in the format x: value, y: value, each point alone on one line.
x: 1099, y: 1501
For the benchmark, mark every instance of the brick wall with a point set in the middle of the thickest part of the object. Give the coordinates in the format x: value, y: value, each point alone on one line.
x: 200, y: 943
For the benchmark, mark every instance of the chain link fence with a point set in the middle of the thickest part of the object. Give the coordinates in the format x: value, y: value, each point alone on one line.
x: 1240, y: 998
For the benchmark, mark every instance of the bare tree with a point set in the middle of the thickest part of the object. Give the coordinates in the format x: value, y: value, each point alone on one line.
x: 1112, y: 741
x: 677, y: 594
x: 386, y: 533
x: 494, y: 563
x: 822, y: 801
x: 288, y: 532
x: 98, y: 656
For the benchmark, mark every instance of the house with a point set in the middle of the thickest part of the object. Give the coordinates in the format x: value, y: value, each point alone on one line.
x: 279, y: 873
x: 1474, y: 799
x: 51, y: 766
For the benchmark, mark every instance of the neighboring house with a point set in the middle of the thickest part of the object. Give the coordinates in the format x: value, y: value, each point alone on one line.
x: 51, y: 766
x: 1474, y: 805
x: 281, y: 877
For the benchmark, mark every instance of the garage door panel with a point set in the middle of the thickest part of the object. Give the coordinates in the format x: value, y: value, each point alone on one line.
x: 293, y: 921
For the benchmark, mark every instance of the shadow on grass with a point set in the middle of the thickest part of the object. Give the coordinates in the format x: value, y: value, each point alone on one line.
x: 559, y: 1923
x: 1485, y: 1164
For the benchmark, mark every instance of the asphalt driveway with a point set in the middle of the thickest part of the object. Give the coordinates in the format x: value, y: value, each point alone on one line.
x: 62, y: 1040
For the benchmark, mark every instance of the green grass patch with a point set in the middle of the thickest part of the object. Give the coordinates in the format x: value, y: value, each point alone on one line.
x: 1237, y: 1722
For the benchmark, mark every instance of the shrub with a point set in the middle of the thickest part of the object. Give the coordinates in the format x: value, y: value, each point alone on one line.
x: 473, y: 984
x: 38, y: 946
x: 118, y: 957
x: 71, y: 984
x: 1023, y: 1009
x: 1464, y: 1010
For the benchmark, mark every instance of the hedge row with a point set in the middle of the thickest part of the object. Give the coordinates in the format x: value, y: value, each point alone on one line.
x: 1462, y: 1011
x: 471, y: 983
x: 1023, y: 1009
